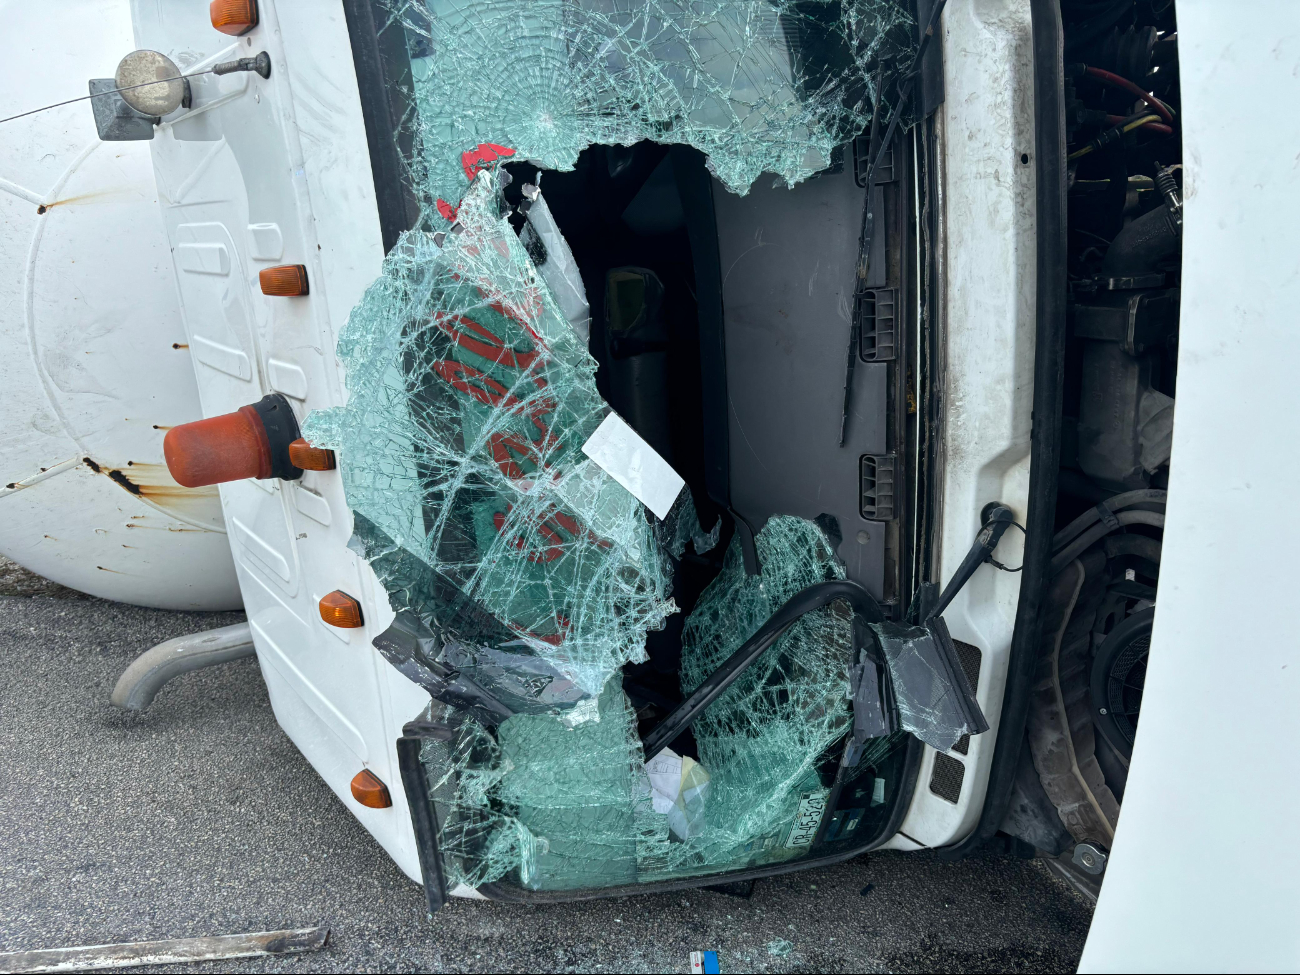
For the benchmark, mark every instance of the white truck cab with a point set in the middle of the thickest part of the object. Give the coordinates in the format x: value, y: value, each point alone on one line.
x: 290, y: 170
x: 308, y: 167
x: 891, y: 301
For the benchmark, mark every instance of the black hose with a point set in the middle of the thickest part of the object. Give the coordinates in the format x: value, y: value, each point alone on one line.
x: 1085, y: 541
x: 1142, y: 546
x: 1115, y: 503
x: 1142, y: 244
x: 804, y: 601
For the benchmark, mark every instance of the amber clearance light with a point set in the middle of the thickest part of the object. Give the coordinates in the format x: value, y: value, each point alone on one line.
x: 309, y: 458
x: 368, y: 790
x: 339, y: 609
x: 284, y: 281
x: 233, y: 16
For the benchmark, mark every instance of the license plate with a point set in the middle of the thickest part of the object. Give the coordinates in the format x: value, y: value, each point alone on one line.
x: 807, y: 819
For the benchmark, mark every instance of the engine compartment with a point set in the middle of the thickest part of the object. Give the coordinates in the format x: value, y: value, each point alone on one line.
x: 1122, y: 117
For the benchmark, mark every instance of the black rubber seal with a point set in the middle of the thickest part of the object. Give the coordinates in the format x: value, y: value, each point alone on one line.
x: 1045, y: 435
x: 281, y: 430
x: 383, y: 78
x: 415, y: 783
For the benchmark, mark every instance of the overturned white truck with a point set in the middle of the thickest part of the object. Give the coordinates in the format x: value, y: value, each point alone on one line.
x: 671, y: 443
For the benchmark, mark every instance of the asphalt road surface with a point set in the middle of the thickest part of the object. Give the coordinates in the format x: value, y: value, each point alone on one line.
x: 199, y: 817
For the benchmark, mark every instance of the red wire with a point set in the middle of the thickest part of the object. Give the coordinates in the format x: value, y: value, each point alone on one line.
x: 1118, y: 82
x: 1153, y: 126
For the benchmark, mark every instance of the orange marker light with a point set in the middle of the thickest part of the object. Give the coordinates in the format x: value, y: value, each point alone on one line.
x: 284, y: 280
x: 309, y: 458
x: 369, y: 791
x: 233, y: 16
x: 339, y: 609
x: 218, y: 449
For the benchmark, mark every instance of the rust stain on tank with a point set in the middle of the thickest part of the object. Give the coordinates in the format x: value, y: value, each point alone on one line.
x: 80, y: 198
x: 154, y: 482
x: 125, y: 482
x: 180, y: 345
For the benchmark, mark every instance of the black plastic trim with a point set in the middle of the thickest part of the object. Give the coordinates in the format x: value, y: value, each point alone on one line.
x: 281, y: 430
x: 930, y: 70
x: 415, y: 782
x: 1045, y: 435
x: 374, y: 57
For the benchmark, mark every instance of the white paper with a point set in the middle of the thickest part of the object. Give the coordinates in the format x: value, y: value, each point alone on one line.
x: 665, y: 771
x: 624, y: 456
x: 679, y: 787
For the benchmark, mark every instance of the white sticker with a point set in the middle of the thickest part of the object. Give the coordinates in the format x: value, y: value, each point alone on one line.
x: 624, y: 456
x: 808, y: 818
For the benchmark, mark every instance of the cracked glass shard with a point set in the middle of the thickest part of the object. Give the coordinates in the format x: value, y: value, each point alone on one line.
x: 759, y: 86
x: 551, y: 255
x: 470, y: 397
x: 558, y: 806
x: 683, y: 525
x: 523, y: 576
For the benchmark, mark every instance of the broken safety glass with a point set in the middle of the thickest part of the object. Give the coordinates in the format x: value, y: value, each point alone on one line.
x: 524, y: 575
x: 759, y: 86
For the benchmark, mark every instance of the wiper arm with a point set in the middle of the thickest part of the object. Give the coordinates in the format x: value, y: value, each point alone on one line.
x: 997, y: 518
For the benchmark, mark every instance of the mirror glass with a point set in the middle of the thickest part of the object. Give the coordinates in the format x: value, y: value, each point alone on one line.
x: 140, y: 67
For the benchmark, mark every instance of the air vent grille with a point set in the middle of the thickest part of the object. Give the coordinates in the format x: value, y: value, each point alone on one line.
x: 878, y: 487
x: 969, y: 656
x: 946, y: 780
x: 876, y: 312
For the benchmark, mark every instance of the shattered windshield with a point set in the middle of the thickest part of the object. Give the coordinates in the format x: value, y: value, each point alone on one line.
x: 560, y: 588
x: 758, y: 86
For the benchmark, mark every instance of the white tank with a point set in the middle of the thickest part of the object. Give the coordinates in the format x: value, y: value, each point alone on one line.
x: 94, y: 367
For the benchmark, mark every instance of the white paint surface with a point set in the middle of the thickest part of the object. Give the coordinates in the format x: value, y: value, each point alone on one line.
x: 1205, y: 872
x: 986, y: 249
x: 278, y: 169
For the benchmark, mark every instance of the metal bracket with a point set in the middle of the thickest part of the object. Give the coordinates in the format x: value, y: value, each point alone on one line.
x: 115, y: 120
